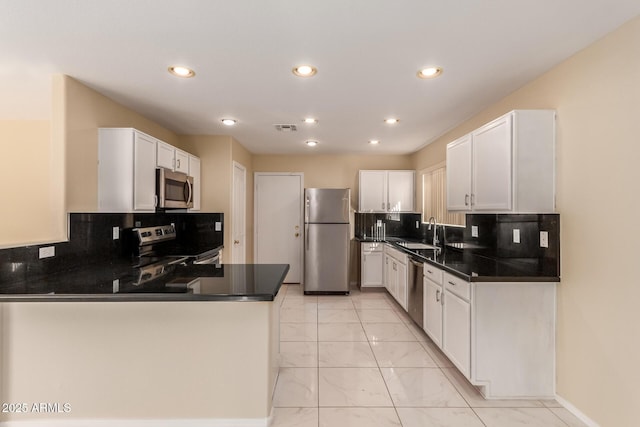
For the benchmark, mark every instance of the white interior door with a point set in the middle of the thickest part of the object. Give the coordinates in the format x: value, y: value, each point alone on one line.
x: 278, y: 221
x: 239, y: 221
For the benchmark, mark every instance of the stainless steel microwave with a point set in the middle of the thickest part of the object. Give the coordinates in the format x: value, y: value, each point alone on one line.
x: 174, y: 190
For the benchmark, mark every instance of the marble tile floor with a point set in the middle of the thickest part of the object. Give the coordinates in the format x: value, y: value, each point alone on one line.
x: 359, y: 360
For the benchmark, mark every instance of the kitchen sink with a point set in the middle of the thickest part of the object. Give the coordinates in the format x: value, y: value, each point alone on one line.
x: 417, y: 245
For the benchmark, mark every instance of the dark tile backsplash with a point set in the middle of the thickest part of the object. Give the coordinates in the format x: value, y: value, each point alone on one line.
x: 90, y: 241
x: 495, y: 235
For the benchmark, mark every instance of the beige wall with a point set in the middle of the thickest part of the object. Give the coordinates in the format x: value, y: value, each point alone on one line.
x: 597, y: 97
x: 85, y: 110
x: 140, y: 360
x: 217, y: 154
x: 330, y: 171
x: 27, y: 214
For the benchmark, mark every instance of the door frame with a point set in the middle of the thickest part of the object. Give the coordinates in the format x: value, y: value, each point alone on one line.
x: 256, y: 179
x: 234, y: 214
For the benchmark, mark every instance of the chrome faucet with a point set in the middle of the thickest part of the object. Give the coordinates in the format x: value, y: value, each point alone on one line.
x: 432, y: 220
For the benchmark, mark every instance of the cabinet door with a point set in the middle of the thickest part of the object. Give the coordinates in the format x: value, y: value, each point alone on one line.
x: 402, y: 284
x: 432, y: 320
x: 492, y: 166
x: 401, y: 195
x: 459, y: 174
x: 456, y: 332
x: 372, y: 269
x: 194, y: 171
x: 144, y: 173
x: 373, y: 191
x: 182, y: 161
x: 165, y: 155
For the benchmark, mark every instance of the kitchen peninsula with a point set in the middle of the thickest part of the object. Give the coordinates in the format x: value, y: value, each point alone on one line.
x: 197, y: 346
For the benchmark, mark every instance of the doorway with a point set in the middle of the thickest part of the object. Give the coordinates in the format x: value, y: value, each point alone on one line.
x: 239, y: 221
x: 278, y: 221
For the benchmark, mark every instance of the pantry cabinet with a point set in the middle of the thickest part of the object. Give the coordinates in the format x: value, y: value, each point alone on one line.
x: 386, y: 191
x: 507, y: 165
x: 126, y: 171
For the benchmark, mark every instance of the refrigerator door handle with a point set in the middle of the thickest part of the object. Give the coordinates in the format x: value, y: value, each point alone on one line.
x: 306, y: 209
x: 306, y: 236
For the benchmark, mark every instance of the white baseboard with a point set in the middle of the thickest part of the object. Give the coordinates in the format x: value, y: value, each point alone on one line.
x: 575, y: 411
x: 193, y: 422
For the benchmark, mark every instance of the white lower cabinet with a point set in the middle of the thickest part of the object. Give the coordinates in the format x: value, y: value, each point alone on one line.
x: 432, y: 312
x: 456, y: 331
x: 395, y: 274
x: 371, y: 259
x: 500, y: 335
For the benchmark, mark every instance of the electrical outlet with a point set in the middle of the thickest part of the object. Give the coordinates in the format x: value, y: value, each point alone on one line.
x: 116, y: 233
x: 474, y: 231
x: 218, y: 226
x: 116, y: 286
x: 47, y: 252
x: 544, y: 239
x: 516, y: 235
x: 417, y: 224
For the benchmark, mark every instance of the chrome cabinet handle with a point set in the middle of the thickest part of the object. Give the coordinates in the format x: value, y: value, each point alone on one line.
x: 382, y: 205
x: 451, y: 283
x: 473, y: 199
x: 466, y: 200
x: 388, y: 206
x: 178, y: 162
x: 429, y: 271
x: 438, y: 295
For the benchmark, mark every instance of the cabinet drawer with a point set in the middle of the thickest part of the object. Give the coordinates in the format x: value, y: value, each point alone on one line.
x: 433, y: 273
x: 457, y: 286
x: 399, y: 256
x: 371, y: 247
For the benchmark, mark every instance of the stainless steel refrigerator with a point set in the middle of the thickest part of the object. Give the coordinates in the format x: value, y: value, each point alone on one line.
x: 327, y: 238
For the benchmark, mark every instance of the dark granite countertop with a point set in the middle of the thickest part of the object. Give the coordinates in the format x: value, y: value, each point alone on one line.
x: 120, y: 281
x: 465, y: 263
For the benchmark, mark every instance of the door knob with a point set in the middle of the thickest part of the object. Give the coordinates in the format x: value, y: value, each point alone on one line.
x: 297, y: 234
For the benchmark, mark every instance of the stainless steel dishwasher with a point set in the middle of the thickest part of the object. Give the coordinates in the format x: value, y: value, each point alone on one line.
x: 416, y: 289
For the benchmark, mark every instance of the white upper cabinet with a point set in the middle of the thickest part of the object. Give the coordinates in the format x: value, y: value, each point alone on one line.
x: 165, y: 155
x: 182, y: 161
x: 459, y: 174
x: 194, y: 171
x: 386, y: 191
x: 170, y: 157
x: 373, y: 191
x: 507, y: 165
x: 126, y: 171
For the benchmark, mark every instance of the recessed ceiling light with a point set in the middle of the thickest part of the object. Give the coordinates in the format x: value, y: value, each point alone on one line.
x: 304, y: 71
x: 391, y: 121
x: 374, y: 142
x: 229, y: 122
x: 311, y: 143
x: 180, y: 71
x: 310, y: 120
x: 429, y: 72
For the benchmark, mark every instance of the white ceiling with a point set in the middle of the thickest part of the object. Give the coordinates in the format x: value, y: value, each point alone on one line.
x: 367, y: 53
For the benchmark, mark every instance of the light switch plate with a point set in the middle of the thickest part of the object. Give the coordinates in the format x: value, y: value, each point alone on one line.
x: 516, y: 235
x: 116, y: 233
x: 544, y: 239
x: 218, y: 226
x: 474, y: 231
x: 47, y: 252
